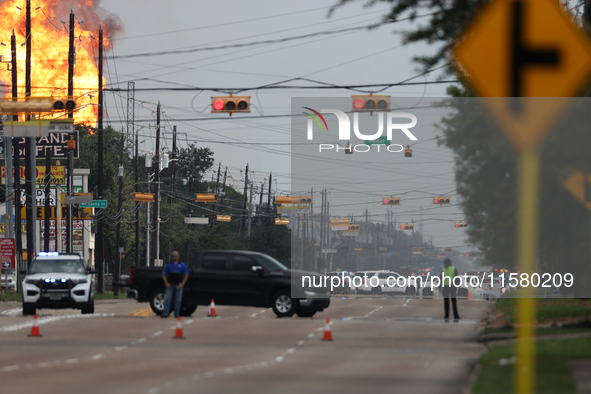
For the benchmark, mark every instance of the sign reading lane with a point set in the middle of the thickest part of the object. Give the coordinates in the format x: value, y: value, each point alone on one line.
x: 95, y: 204
x: 524, y: 48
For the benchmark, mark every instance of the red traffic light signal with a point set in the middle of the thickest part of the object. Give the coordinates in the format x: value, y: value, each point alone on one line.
x: 460, y: 224
x: 230, y: 104
x: 442, y: 200
x: 407, y: 226
x: 370, y: 103
x: 353, y: 227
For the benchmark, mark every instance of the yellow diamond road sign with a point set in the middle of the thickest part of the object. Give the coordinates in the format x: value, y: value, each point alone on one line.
x: 524, y: 48
x: 579, y: 185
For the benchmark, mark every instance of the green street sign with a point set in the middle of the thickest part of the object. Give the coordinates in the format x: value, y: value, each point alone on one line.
x: 378, y: 141
x: 475, y: 227
x: 95, y: 204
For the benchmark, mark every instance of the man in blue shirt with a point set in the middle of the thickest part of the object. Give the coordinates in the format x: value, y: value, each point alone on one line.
x: 175, y: 275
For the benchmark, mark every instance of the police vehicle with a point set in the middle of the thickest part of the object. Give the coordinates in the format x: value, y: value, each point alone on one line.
x: 58, y: 281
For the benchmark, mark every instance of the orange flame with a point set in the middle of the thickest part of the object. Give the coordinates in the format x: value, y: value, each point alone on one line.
x: 49, y: 51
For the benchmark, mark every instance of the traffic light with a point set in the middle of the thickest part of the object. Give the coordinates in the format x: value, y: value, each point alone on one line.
x: 224, y: 218
x: 71, y: 144
x: 286, y: 200
x: 348, y: 149
x: 210, y: 197
x: 448, y: 249
x: 391, y: 201
x: 302, y: 200
x: 408, y: 151
x: 442, y: 200
x: 36, y: 104
x: 144, y: 197
x: 460, y: 224
x: 407, y: 226
x: 370, y: 103
x: 64, y: 104
x: 230, y: 104
x: 353, y: 227
x: 282, y: 222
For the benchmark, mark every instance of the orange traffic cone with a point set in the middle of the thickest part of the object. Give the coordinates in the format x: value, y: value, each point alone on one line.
x: 327, y: 331
x: 35, y: 328
x: 468, y: 295
x: 211, y: 310
x: 178, y: 334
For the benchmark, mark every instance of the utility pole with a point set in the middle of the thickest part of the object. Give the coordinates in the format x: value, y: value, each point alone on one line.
x: 69, y: 222
x: 243, y: 215
x: 17, y: 165
x: 173, y: 169
x: 71, y: 62
x: 217, y: 185
x: 312, y: 233
x: 47, y: 194
x: 100, y: 226
x: 117, y: 270
x: 250, y: 208
x: 131, y: 133
x: 156, y: 164
x: 148, y: 246
x: 29, y: 150
x: 270, y: 188
x: 223, y: 190
x: 260, y: 213
x: 189, y: 207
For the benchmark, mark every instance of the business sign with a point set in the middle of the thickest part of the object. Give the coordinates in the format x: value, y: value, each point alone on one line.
x: 78, y: 213
x: 7, y: 249
x: 58, y: 175
x: 77, y: 234
x: 41, y: 197
x: 56, y: 143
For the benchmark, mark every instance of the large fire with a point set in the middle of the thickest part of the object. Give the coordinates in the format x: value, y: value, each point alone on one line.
x: 49, y: 50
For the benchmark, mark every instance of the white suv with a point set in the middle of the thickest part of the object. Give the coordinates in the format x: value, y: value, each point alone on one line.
x: 58, y: 281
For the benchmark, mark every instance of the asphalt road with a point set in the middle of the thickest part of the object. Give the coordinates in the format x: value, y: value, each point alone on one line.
x: 393, y: 345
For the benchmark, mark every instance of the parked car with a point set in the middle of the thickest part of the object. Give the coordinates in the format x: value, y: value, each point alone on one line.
x: 234, y: 277
x: 8, y: 281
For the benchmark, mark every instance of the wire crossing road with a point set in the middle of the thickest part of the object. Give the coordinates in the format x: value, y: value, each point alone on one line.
x: 384, y: 344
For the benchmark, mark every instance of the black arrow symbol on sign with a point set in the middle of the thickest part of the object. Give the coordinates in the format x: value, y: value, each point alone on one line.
x: 524, y: 56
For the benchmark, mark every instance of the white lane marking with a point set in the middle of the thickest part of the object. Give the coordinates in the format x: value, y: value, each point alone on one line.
x: 141, y: 340
x: 11, y: 312
x: 10, y: 368
x: 407, y: 302
x: 311, y: 335
x: 97, y: 356
x: 189, y: 321
x: 157, y: 333
x: 120, y: 348
x: 253, y: 315
x: 46, y: 320
x: 72, y: 361
x: 300, y: 343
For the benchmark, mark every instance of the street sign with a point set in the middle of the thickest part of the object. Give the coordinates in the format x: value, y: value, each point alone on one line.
x: 475, y: 227
x: 7, y: 252
x: 339, y: 228
x: 524, y: 48
x: 357, y: 249
x: 75, y: 199
x: 95, y: 204
x: 382, y: 249
x: 191, y: 220
x: 579, y: 185
x: 417, y: 248
x: 328, y: 251
x: 340, y: 222
x: 350, y: 234
x: 378, y: 141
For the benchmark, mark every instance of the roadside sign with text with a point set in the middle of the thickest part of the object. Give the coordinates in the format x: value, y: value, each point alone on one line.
x: 7, y: 252
x: 58, y: 175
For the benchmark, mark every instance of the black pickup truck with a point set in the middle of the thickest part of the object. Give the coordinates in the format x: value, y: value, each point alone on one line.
x: 234, y: 277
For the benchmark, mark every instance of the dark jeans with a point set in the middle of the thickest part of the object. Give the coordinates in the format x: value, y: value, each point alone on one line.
x: 450, y: 292
x: 178, y: 296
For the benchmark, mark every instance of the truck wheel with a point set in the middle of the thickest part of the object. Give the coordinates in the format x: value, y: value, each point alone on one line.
x: 306, y: 314
x: 28, y: 309
x: 157, y: 301
x: 187, y: 310
x: 88, y: 309
x: 283, y: 305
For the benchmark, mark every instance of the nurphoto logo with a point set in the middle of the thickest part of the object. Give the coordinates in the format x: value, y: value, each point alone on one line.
x: 344, y: 129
